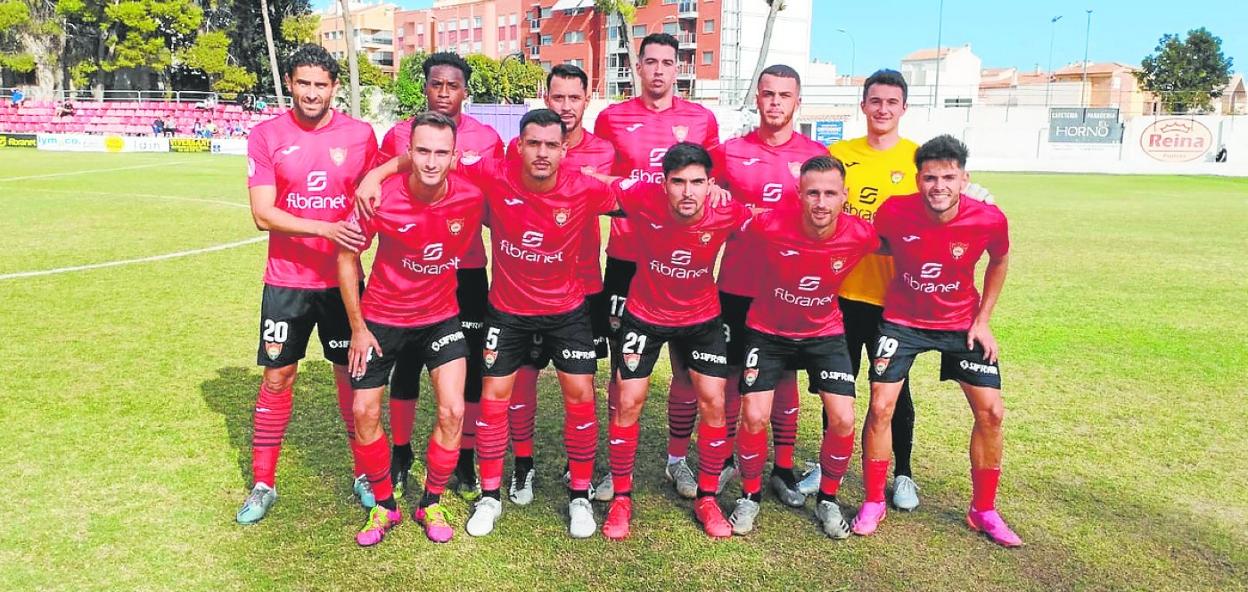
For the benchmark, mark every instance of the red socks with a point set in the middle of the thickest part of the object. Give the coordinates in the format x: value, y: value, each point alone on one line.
x: 346, y: 399
x: 493, y: 446
x: 622, y: 451
x: 834, y: 460
x: 752, y: 452
x: 472, y: 410
x: 984, y: 488
x: 682, y: 412
x: 374, y: 459
x: 732, y: 406
x: 523, y: 411
x: 271, y: 418
x: 440, y: 464
x: 874, y: 477
x: 402, y: 416
x: 713, y: 450
x: 784, y: 414
x: 580, y: 438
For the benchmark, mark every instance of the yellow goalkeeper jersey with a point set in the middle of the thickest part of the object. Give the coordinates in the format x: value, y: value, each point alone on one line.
x: 872, y: 176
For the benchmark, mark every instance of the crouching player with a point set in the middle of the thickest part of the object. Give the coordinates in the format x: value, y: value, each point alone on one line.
x: 408, y: 316
x: 805, y: 253
x: 936, y: 237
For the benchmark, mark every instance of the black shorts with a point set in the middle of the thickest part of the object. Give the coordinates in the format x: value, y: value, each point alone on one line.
x: 733, y: 309
x: 509, y: 341
x: 287, y: 316
x: 539, y: 355
x: 412, y: 349
x: 894, y: 353
x: 608, y: 305
x: 826, y: 360
x: 701, y: 346
x: 471, y: 291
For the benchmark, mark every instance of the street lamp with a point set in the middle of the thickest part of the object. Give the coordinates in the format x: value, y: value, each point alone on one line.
x: 1083, y: 87
x: 853, y: 51
x: 1048, y: 81
x: 940, y: 23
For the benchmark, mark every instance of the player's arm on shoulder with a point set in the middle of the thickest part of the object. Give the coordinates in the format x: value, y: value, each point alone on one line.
x: 368, y: 191
x: 978, y: 192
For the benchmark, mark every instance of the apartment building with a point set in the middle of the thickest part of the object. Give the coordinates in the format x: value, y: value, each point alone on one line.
x: 374, y: 30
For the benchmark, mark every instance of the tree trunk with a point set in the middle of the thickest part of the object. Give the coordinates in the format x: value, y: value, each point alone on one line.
x: 776, y: 6
x: 268, y: 37
x: 626, y: 36
x: 353, y: 62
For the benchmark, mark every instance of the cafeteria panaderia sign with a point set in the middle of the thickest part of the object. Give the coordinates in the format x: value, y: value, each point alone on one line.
x: 1091, y: 125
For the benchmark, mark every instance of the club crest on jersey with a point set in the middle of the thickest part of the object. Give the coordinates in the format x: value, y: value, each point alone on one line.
x: 455, y: 225
x: 490, y: 356
x: 338, y: 155
x: 897, y: 177
x: 273, y: 350
x: 632, y: 360
x: 881, y: 364
x: 838, y: 265
x: 681, y: 132
x: 562, y: 215
x: 705, y: 238
x: 958, y: 249
x: 750, y: 375
x: 795, y: 168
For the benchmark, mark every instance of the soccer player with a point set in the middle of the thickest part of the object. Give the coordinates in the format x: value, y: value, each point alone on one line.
x: 673, y: 300
x: 537, y: 218
x: 761, y: 169
x: 936, y: 238
x: 567, y: 93
x: 302, y: 168
x: 642, y: 129
x: 425, y: 223
x: 446, y: 89
x: 804, y: 254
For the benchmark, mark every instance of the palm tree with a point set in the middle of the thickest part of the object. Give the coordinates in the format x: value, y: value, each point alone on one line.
x: 776, y: 6
x: 353, y: 63
x: 626, y: 10
x: 268, y: 36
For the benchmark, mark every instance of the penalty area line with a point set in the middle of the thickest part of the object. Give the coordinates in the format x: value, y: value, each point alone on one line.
x: 179, y: 254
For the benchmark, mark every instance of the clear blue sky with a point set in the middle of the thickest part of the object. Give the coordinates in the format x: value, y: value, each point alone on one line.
x: 1009, y: 32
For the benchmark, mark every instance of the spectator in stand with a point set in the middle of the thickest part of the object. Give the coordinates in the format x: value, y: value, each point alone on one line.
x: 237, y: 131
x: 17, y: 97
x: 65, y: 109
x: 171, y: 125
x: 260, y: 104
x: 197, y: 129
x: 210, y: 130
x: 158, y: 127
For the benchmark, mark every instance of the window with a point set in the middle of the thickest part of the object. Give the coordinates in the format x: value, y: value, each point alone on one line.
x: 546, y: 40
x: 574, y: 37
x: 441, y: 26
x: 513, y: 19
x: 708, y: 26
x: 463, y: 48
x: 476, y: 22
x: 513, y: 45
x: 502, y: 21
x: 420, y: 28
x: 546, y: 66
x: 578, y: 63
x: 708, y: 58
x: 476, y: 47
x: 671, y: 28
x: 546, y: 13
x: 639, y: 31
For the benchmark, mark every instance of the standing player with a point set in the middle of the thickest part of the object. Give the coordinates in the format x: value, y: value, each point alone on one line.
x: 567, y: 88
x: 761, y: 170
x: 936, y: 238
x: 424, y: 224
x: 537, y: 217
x: 446, y: 89
x: 673, y: 300
x: 803, y: 256
x: 302, y: 168
x: 642, y: 129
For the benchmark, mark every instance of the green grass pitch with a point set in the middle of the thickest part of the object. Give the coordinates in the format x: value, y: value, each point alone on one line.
x: 127, y: 394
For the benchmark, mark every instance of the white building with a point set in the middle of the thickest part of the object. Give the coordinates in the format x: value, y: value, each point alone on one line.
x: 958, y: 80
x: 741, y: 40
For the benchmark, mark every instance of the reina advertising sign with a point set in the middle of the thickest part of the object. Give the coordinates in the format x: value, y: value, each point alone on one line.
x: 1176, y: 140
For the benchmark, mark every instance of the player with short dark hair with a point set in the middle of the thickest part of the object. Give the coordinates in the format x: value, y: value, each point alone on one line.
x: 446, y: 89
x: 761, y: 169
x: 642, y: 129
x: 302, y: 168
x: 408, y: 317
x: 804, y: 254
x: 936, y: 237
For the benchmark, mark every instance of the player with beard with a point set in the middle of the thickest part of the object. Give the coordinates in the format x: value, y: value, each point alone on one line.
x: 302, y: 168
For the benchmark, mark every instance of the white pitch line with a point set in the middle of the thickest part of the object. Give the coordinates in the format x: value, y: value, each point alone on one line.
x: 26, y: 274
x: 232, y: 204
x: 89, y: 171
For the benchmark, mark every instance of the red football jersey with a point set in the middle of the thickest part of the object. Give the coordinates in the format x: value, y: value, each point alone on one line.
x: 315, y: 173
x: 536, y: 237
x: 675, y: 281
x: 641, y: 138
x: 471, y: 136
x: 933, y: 283
x: 419, y: 248
x: 600, y: 154
x: 799, y: 276
x: 761, y: 176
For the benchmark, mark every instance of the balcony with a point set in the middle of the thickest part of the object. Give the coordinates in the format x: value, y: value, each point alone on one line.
x: 687, y: 40
x: 687, y: 9
x: 535, y: 52
x: 535, y: 25
x: 686, y: 72
x: 617, y: 46
x: 619, y: 75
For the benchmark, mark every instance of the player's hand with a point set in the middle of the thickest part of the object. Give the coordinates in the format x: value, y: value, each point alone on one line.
x: 363, y: 346
x: 718, y: 196
x: 367, y: 197
x: 345, y: 234
x: 978, y: 192
x: 982, y: 334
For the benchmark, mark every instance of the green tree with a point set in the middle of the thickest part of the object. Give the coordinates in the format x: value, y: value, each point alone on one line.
x: 370, y: 74
x: 483, y: 86
x: 15, y: 19
x: 104, y: 36
x: 626, y: 10
x: 301, y: 28
x: 1186, y: 74
x: 519, y: 80
x: 409, y: 87
x: 210, y: 55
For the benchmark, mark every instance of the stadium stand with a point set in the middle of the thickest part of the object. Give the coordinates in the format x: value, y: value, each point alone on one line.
x: 132, y: 118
